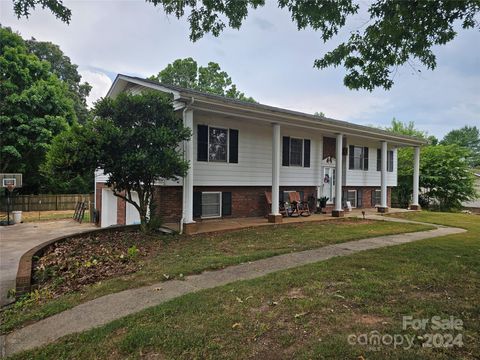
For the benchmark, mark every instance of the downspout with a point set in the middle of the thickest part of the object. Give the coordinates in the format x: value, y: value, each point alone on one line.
x: 187, y: 107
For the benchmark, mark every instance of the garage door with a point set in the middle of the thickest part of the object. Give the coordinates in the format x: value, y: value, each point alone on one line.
x: 132, y: 216
x: 109, y: 208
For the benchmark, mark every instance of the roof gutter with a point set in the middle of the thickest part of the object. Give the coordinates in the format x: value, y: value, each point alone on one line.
x: 325, y: 123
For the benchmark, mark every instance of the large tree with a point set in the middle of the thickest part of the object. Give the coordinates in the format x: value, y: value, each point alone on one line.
x: 34, y: 107
x: 469, y: 138
x: 61, y: 66
x: 445, y: 178
x: 398, y: 32
x: 211, y: 79
x: 134, y: 139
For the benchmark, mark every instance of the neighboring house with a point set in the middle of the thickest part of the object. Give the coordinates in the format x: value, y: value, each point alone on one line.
x: 474, y: 205
x: 240, y: 150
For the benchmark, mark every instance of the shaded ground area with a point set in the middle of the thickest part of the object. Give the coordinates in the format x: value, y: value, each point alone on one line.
x: 228, y: 224
x: 97, y: 268
x: 310, y: 311
x: 17, y: 239
x: 36, y: 216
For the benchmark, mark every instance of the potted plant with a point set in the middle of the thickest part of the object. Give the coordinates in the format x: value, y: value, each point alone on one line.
x: 322, y: 204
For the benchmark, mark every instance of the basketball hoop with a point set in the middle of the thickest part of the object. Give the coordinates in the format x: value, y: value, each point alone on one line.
x: 10, y: 182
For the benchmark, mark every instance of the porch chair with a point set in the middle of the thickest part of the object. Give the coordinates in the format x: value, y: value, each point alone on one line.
x: 299, y: 206
x: 281, y: 206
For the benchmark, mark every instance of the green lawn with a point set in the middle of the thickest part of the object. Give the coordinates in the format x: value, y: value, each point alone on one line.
x: 309, y: 312
x: 181, y: 255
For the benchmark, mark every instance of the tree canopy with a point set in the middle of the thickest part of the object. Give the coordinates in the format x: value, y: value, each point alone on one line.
x: 467, y: 137
x: 445, y: 177
x: 34, y: 107
x: 61, y: 66
x: 134, y: 139
x: 397, y: 33
x: 211, y: 79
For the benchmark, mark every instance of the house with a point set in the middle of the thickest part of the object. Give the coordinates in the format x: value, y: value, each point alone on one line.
x: 240, y: 150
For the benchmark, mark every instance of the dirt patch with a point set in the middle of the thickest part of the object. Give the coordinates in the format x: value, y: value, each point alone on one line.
x: 296, y: 293
x: 367, y: 319
x: 72, y: 264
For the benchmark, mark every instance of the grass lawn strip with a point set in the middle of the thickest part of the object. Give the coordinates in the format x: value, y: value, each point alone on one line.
x: 309, y: 311
x: 172, y: 257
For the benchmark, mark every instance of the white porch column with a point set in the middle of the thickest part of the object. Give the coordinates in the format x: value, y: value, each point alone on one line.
x: 383, y: 178
x: 416, y: 178
x: 275, y: 215
x: 338, y: 211
x: 188, y: 179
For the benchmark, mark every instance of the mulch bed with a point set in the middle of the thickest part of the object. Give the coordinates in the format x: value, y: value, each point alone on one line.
x: 70, y: 265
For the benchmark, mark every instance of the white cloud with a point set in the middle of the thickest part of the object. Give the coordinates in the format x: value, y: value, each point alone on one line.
x: 100, y: 84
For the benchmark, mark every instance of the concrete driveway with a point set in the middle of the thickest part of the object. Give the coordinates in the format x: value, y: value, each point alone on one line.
x: 17, y: 239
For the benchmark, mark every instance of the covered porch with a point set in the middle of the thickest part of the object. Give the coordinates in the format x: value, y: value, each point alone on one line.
x: 230, y: 224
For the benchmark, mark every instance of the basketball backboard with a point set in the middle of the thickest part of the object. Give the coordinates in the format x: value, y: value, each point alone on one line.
x: 9, y: 180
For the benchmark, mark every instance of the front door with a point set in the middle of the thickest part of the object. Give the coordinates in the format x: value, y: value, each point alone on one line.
x: 328, y: 185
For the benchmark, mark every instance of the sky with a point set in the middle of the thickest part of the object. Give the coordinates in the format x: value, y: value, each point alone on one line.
x: 268, y: 59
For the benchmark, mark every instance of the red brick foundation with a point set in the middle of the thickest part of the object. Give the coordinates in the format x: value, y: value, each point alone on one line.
x: 168, y: 203
x: 367, y: 195
x: 121, y: 211
x: 247, y: 201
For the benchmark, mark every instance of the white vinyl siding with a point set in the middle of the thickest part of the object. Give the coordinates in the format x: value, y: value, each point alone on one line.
x: 254, y: 167
x: 372, y: 176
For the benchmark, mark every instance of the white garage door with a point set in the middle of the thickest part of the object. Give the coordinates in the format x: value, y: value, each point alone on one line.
x: 132, y: 216
x: 109, y: 208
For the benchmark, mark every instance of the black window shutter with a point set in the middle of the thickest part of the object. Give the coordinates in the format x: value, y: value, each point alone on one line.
x: 226, y: 203
x: 286, y: 151
x: 372, y: 201
x: 306, y: 153
x: 233, y: 146
x: 379, y: 159
x: 350, y: 157
x: 202, y: 143
x: 365, y: 158
x: 360, y: 198
x: 197, y: 204
x: 344, y: 198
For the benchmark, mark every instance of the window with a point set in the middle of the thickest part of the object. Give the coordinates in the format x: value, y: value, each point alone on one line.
x: 389, y: 160
x: 376, y: 197
x: 211, y: 204
x: 352, y: 197
x: 358, y: 158
x: 217, y: 144
x: 296, y: 152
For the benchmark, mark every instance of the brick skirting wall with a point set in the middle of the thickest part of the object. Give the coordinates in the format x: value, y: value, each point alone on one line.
x: 168, y: 202
x: 247, y: 201
x: 367, y: 195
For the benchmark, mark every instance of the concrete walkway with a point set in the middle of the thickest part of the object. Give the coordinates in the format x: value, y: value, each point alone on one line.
x: 15, y: 240
x: 114, y: 306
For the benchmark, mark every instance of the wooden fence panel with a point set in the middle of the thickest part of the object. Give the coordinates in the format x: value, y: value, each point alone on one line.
x: 45, y: 202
